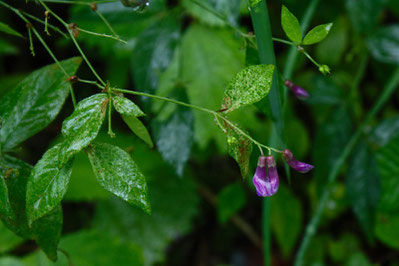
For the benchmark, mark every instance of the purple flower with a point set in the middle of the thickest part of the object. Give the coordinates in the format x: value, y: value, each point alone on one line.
x: 294, y: 163
x: 295, y: 89
x: 266, y: 185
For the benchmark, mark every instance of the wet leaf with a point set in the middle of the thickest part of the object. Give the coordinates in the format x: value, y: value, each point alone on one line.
x: 138, y: 128
x: 239, y: 147
x: 34, y: 102
x: 363, y: 186
x: 47, y: 184
x: 317, y: 34
x: 231, y: 199
x: 7, y: 29
x: 124, y: 106
x: 249, y: 86
x: 364, y: 14
x: 291, y: 25
x: 82, y: 127
x: 119, y: 174
x: 46, y: 231
x: 5, y: 206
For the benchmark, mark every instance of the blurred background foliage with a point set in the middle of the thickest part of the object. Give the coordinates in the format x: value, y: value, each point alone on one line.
x: 203, y: 213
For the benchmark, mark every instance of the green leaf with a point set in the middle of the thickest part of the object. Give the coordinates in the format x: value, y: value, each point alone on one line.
x: 34, y: 102
x: 358, y: 259
x: 47, y: 184
x: 249, y: 86
x: 286, y: 219
x: 119, y: 174
x: 317, y: 34
x: 363, y: 186
x: 46, y: 231
x: 231, y: 199
x: 82, y: 127
x: 93, y: 248
x: 7, y: 48
x: 384, y: 44
x: 154, y: 52
x: 291, y: 25
x: 239, y: 147
x: 124, y: 106
x: 130, y: 112
x: 174, y: 204
x: 5, y: 206
x: 138, y: 128
x: 364, y: 14
x: 387, y: 229
x: 174, y: 136
x: 7, y: 29
x: 228, y: 9
x: 206, y: 75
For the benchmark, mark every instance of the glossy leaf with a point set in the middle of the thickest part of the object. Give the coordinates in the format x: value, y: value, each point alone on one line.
x: 231, y: 199
x: 364, y: 14
x: 205, y: 75
x: 239, y: 147
x: 286, y: 219
x: 7, y: 29
x: 174, y: 204
x: 229, y: 9
x: 34, y: 102
x: 138, y: 128
x: 46, y: 231
x: 384, y: 44
x: 82, y: 127
x: 5, y: 206
x: 249, y: 86
x: 124, y: 106
x: 119, y: 174
x: 317, y: 34
x: 291, y: 25
x: 363, y: 185
x: 174, y: 136
x: 154, y: 51
x: 47, y: 184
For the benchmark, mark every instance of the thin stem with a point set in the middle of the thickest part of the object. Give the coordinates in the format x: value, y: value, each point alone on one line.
x: 284, y: 41
x: 308, y: 56
x: 102, y: 35
x: 78, y: 2
x: 44, y: 23
x: 110, y: 133
x: 107, y: 23
x: 31, y: 48
x: 215, y: 114
x: 74, y: 41
x: 311, y: 228
x: 91, y: 82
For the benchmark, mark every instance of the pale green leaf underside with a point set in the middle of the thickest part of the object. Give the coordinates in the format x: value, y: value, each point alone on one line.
x: 118, y: 173
x: 82, y: 127
x: 47, y: 184
x: 291, y: 25
x: 7, y: 29
x: 317, y: 34
x: 138, y: 128
x: 249, y: 86
x: 124, y: 106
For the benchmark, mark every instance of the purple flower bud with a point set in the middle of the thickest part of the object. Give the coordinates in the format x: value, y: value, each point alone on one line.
x: 295, y: 164
x: 295, y: 89
x: 266, y: 185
